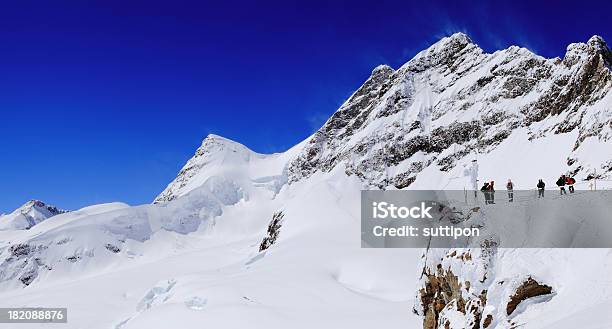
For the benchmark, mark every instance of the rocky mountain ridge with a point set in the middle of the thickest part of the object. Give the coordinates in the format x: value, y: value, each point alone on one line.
x: 453, y: 100
x: 450, y: 104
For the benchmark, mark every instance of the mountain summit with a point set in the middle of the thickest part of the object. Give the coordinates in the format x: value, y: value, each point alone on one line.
x: 214, y: 153
x: 28, y: 215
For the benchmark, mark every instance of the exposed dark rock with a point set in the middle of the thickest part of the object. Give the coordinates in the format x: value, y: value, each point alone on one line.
x: 20, y: 250
x: 529, y: 288
x: 516, y: 86
x: 575, y: 171
x: 63, y: 241
x: 112, y: 248
x: 73, y: 258
x: 403, y: 180
x: 448, y: 162
x: 273, y: 231
x: 494, y: 140
x: 396, y: 103
x: 441, y: 288
x: 487, y: 321
x: 28, y: 277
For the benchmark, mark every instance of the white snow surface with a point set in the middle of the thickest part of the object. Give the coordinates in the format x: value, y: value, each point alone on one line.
x: 194, y: 262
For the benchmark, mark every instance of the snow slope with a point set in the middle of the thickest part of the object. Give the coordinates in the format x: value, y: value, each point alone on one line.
x: 314, y: 275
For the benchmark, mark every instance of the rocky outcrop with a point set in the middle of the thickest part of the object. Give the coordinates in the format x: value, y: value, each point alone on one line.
x: 529, y: 288
x: 448, y: 300
x: 273, y: 231
x: 23, y: 263
x: 460, y: 289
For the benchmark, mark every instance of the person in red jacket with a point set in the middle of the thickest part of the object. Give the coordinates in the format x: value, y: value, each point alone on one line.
x: 570, y: 181
x: 510, y: 188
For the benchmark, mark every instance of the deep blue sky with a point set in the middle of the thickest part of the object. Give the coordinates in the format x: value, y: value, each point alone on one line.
x: 105, y: 101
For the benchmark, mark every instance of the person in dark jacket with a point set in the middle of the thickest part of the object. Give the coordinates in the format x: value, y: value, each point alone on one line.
x: 485, y: 191
x: 570, y: 181
x: 561, y: 184
x: 492, y: 192
x: 510, y: 188
x: 541, y: 186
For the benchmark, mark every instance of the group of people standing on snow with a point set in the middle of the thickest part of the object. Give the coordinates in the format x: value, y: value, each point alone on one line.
x: 488, y: 189
x: 561, y: 182
x: 566, y: 180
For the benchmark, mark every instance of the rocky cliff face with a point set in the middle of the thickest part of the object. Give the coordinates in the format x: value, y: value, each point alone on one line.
x: 462, y: 288
x: 452, y: 100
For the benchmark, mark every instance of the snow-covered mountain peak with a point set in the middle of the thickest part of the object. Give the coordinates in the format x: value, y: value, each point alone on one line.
x: 28, y: 215
x: 455, y: 39
x: 219, y: 139
x: 601, y: 47
x: 219, y: 159
x: 444, y: 52
x: 214, y: 155
x: 452, y: 101
x: 598, y: 42
x: 381, y: 71
x: 594, y: 52
x: 37, y: 205
x: 214, y: 144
